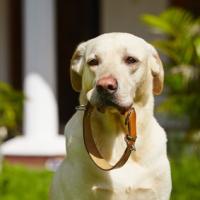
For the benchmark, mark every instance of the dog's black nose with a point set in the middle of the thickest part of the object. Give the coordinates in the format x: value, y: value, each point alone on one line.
x: 107, y: 85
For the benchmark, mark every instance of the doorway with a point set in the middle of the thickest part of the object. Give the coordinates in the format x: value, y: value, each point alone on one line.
x: 77, y: 21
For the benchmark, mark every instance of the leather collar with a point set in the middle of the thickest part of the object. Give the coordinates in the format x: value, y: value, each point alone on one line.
x: 95, y: 155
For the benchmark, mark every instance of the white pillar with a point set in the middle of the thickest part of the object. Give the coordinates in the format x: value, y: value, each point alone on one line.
x: 40, y: 110
x: 39, y: 69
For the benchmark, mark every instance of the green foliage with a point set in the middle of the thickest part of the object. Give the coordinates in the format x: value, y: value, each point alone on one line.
x: 185, y: 178
x: 18, y: 182
x: 11, y: 104
x: 180, y: 42
x: 182, y: 30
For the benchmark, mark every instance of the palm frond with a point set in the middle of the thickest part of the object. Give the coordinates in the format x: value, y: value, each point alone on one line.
x: 174, y: 21
x: 158, y: 24
x: 181, y: 44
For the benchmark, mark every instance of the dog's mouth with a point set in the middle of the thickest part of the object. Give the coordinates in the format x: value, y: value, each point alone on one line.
x: 109, y: 102
x: 103, y: 105
x: 121, y: 109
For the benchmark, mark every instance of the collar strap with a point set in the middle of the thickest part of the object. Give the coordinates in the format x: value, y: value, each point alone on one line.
x: 95, y: 155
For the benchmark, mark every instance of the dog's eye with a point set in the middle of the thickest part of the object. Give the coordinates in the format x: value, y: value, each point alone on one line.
x: 130, y: 60
x: 93, y: 62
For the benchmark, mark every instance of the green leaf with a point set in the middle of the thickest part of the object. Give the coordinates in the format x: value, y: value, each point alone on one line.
x: 158, y: 24
x: 180, y: 42
x: 11, y: 105
x: 197, y: 47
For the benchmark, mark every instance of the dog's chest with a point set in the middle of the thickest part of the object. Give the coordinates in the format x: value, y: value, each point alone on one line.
x: 124, y: 183
x: 126, y: 194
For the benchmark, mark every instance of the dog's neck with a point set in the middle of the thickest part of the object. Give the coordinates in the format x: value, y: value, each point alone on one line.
x: 109, y: 128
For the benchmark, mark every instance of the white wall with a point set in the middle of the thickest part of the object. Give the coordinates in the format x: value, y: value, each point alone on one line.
x: 124, y: 15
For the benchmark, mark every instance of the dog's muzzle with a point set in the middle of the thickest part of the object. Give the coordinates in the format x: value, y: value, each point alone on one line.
x: 106, y: 93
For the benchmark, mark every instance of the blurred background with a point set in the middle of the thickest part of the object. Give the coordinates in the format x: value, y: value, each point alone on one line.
x: 37, y: 40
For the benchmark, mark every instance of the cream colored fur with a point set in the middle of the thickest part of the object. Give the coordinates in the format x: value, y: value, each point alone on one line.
x: 146, y: 175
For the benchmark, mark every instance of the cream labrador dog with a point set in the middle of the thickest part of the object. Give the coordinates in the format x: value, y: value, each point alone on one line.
x: 114, y: 72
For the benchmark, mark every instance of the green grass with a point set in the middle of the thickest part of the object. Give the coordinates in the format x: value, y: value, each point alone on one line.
x: 21, y: 183
x: 186, y: 178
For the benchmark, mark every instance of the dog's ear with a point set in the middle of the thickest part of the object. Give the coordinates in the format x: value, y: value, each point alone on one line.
x: 157, y: 71
x: 76, y: 68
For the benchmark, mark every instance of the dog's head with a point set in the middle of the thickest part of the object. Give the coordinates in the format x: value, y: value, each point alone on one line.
x: 115, y: 70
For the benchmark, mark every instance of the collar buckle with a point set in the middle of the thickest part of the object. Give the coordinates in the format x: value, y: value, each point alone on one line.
x: 130, y: 141
x: 81, y: 107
